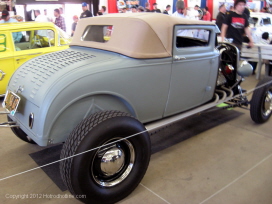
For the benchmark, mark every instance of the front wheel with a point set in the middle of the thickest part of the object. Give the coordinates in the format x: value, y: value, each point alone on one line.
x: 115, y: 155
x: 261, y: 103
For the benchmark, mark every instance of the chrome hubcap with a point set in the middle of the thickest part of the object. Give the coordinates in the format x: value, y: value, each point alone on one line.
x: 268, y: 103
x: 113, y: 163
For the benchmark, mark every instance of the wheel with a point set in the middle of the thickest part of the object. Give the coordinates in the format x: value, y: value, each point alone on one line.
x: 261, y: 103
x: 111, y: 164
x: 21, y: 134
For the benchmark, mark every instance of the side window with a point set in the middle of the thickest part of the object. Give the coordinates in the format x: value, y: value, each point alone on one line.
x: 3, y: 43
x: 192, y: 38
x: 266, y: 21
x: 33, y: 39
x: 97, y: 33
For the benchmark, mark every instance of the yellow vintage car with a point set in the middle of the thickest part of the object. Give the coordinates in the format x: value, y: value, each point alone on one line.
x: 20, y: 42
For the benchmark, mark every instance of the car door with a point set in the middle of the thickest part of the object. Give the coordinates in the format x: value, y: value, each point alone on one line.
x: 6, y: 60
x: 34, y: 42
x: 194, y: 67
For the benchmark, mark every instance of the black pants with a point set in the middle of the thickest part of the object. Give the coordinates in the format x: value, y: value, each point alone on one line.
x: 13, y: 9
x: 254, y: 65
x: 270, y: 70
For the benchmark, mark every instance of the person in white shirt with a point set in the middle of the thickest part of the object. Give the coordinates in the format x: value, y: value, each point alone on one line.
x: 181, y: 11
x: 48, y: 18
x: 39, y: 17
x: 195, y: 12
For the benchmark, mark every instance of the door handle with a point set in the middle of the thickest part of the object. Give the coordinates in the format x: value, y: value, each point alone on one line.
x: 18, y: 59
x: 2, y: 75
x: 177, y: 58
x: 35, y: 53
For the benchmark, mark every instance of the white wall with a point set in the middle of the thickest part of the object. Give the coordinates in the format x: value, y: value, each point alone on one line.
x: 192, y: 3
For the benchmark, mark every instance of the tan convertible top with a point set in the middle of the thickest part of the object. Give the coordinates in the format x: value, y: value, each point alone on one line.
x: 141, y: 35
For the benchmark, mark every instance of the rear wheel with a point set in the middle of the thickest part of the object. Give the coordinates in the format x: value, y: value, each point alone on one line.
x: 112, y: 164
x: 261, y: 103
x: 21, y: 134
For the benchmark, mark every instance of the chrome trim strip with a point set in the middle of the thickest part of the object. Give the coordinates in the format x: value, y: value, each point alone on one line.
x: 4, y: 113
x: 8, y: 125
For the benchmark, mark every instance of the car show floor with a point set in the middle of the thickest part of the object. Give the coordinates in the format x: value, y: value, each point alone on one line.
x: 216, y: 157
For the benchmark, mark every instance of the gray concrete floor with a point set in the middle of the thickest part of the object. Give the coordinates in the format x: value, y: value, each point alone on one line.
x: 230, y: 163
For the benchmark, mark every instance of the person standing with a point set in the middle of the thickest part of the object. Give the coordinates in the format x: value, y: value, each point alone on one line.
x: 221, y: 16
x: 147, y: 7
x: 59, y: 21
x: 11, y: 6
x: 231, y: 10
x: 86, y: 13
x: 75, y: 19
x: 6, y: 18
x: 103, y: 10
x: 155, y: 9
x: 124, y: 10
x: 207, y: 14
x: 45, y: 14
x: 180, y: 10
x: 17, y: 36
x: 39, y: 17
x: 140, y: 9
x: 197, y: 12
x: 168, y: 7
x: 236, y: 25
x: 134, y: 9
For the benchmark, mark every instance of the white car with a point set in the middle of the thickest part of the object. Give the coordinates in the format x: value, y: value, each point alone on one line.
x: 260, y: 23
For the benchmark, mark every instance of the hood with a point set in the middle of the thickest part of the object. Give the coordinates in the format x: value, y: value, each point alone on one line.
x: 38, y: 75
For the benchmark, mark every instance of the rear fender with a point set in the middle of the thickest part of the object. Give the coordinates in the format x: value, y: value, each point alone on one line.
x: 73, y: 114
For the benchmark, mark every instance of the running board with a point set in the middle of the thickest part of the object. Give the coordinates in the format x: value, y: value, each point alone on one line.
x: 167, y: 121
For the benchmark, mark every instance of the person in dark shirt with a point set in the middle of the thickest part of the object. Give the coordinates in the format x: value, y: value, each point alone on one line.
x: 155, y: 9
x: 221, y: 16
x: 247, y: 12
x: 86, y: 13
x: 236, y: 25
x: 231, y: 10
x: 147, y: 5
x: 134, y: 9
x: 140, y: 9
x: 168, y: 7
x: 59, y: 21
x: 75, y: 19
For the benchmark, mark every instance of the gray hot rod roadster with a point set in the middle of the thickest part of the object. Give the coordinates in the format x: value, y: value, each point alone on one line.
x: 124, y: 76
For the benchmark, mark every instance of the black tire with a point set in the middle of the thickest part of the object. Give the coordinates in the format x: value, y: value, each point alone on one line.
x: 261, y: 102
x: 21, y: 134
x: 85, y: 174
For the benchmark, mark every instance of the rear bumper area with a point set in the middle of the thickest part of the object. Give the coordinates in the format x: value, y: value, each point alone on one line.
x: 8, y: 124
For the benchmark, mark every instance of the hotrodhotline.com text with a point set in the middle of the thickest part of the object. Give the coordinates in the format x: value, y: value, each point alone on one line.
x: 41, y: 196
